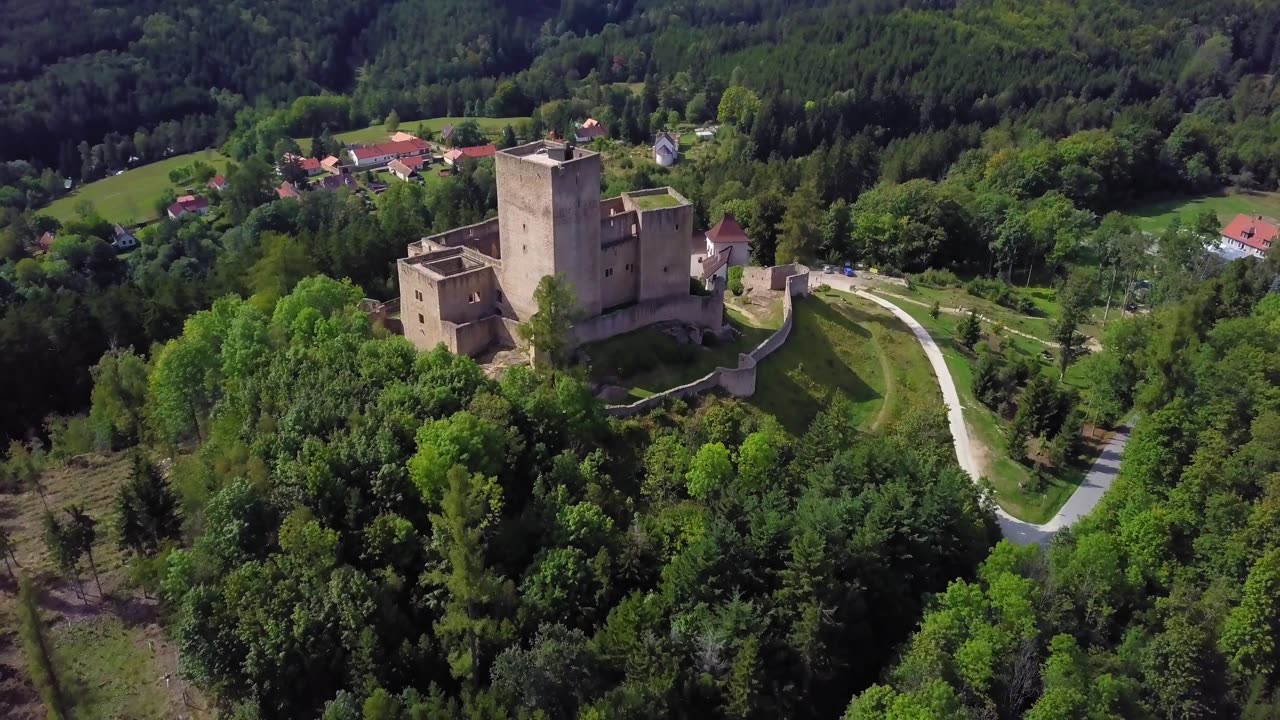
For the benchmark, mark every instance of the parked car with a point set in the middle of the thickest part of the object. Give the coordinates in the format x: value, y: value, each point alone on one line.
x: 827, y: 270
x: 848, y: 271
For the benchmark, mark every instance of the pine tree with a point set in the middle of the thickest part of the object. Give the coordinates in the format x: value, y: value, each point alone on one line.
x: 468, y: 625
x: 935, y: 310
x: 969, y: 330
x: 147, y: 509
x: 1019, y: 433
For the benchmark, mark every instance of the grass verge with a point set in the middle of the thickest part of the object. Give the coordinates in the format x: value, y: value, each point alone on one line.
x: 841, y: 344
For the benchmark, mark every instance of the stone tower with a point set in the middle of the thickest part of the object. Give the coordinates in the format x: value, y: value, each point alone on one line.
x: 549, y: 213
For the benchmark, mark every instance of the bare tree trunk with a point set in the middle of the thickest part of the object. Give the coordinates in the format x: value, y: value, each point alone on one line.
x: 79, y: 588
x: 94, y: 567
x: 40, y: 492
x: 1031, y: 265
x: 9, y: 568
x: 1111, y: 289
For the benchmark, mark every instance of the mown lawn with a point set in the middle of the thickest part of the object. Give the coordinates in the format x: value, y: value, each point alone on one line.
x: 492, y: 127
x: 1005, y: 474
x: 843, y: 345
x: 130, y: 198
x: 1154, y: 217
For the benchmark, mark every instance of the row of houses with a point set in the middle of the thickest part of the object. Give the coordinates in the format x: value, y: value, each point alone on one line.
x: 329, y: 183
x: 121, y: 239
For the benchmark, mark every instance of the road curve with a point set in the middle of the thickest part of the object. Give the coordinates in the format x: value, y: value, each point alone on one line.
x: 1081, y: 503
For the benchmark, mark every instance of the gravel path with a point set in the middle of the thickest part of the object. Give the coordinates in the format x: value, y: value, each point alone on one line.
x: 1081, y: 503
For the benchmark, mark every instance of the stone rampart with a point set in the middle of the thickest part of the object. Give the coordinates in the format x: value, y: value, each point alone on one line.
x: 739, y: 381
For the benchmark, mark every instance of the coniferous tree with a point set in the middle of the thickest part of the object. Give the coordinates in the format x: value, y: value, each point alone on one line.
x: 81, y: 532
x: 147, y: 509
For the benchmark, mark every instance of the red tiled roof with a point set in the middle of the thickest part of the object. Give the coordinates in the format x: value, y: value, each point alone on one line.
x: 414, y: 162
x: 727, y: 231
x: 1252, y: 230
x: 400, y: 167
x: 217, y: 182
x: 310, y: 163
x: 404, y: 147
x: 479, y: 151
x: 288, y: 190
x: 192, y: 202
x: 45, y: 240
x: 329, y: 163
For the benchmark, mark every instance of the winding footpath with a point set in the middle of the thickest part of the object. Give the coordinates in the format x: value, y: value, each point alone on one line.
x: 1081, y: 503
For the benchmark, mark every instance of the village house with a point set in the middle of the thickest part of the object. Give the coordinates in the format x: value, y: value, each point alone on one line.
x: 218, y: 183
x: 408, y: 167
x: 331, y: 165
x: 334, y: 183
x: 475, y: 152
x: 45, y: 241
x: 727, y: 235
x: 310, y: 165
x: 188, y: 204
x: 122, y: 239
x: 625, y: 257
x: 383, y: 153
x: 1248, y: 235
x: 589, y: 130
x: 288, y: 190
x: 401, y: 136
x: 666, y: 148
x: 446, y: 134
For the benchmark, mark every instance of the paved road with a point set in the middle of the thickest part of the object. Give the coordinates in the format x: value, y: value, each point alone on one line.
x: 1084, y: 499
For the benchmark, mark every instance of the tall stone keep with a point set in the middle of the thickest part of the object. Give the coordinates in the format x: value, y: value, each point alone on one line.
x: 549, y: 212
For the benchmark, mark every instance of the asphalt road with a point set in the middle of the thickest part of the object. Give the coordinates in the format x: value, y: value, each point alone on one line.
x: 1081, y: 503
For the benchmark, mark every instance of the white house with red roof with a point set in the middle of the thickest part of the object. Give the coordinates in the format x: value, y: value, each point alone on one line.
x: 728, y: 235
x: 218, y: 183
x: 383, y: 153
x: 1249, y: 235
x: 188, y: 204
x: 475, y: 152
x: 331, y: 165
x: 407, y: 167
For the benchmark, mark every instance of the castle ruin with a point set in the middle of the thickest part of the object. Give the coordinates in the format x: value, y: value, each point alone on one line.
x: 627, y: 258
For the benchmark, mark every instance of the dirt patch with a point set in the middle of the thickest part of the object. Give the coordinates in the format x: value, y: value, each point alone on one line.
x: 760, y: 307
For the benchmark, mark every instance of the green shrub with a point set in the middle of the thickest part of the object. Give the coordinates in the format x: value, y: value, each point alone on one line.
x: 735, y: 280
x: 936, y: 278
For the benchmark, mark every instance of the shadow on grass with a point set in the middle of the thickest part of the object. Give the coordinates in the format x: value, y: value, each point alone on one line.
x: 807, y: 373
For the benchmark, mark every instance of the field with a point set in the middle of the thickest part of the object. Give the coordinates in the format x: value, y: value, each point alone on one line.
x: 130, y: 198
x: 113, y: 658
x: 378, y: 133
x: 840, y: 344
x: 1154, y: 217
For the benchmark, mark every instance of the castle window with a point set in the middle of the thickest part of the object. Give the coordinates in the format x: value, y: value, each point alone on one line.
x: 475, y: 298
x: 664, y: 268
x: 421, y: 320
x: 417, y: 294
x: 633, y: 228
x: 608, y: 272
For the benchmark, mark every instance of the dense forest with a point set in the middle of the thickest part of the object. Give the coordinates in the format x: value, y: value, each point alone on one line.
x: 1163, y: 602
x: 351, y: 529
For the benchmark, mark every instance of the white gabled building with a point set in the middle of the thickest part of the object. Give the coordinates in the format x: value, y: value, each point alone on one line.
x: 666, y: 148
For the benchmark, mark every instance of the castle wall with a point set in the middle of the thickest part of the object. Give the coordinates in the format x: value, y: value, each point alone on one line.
x: 738, y: 381
x: 705, y: 311
x: 620, y: 276
x: 483, y: 237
